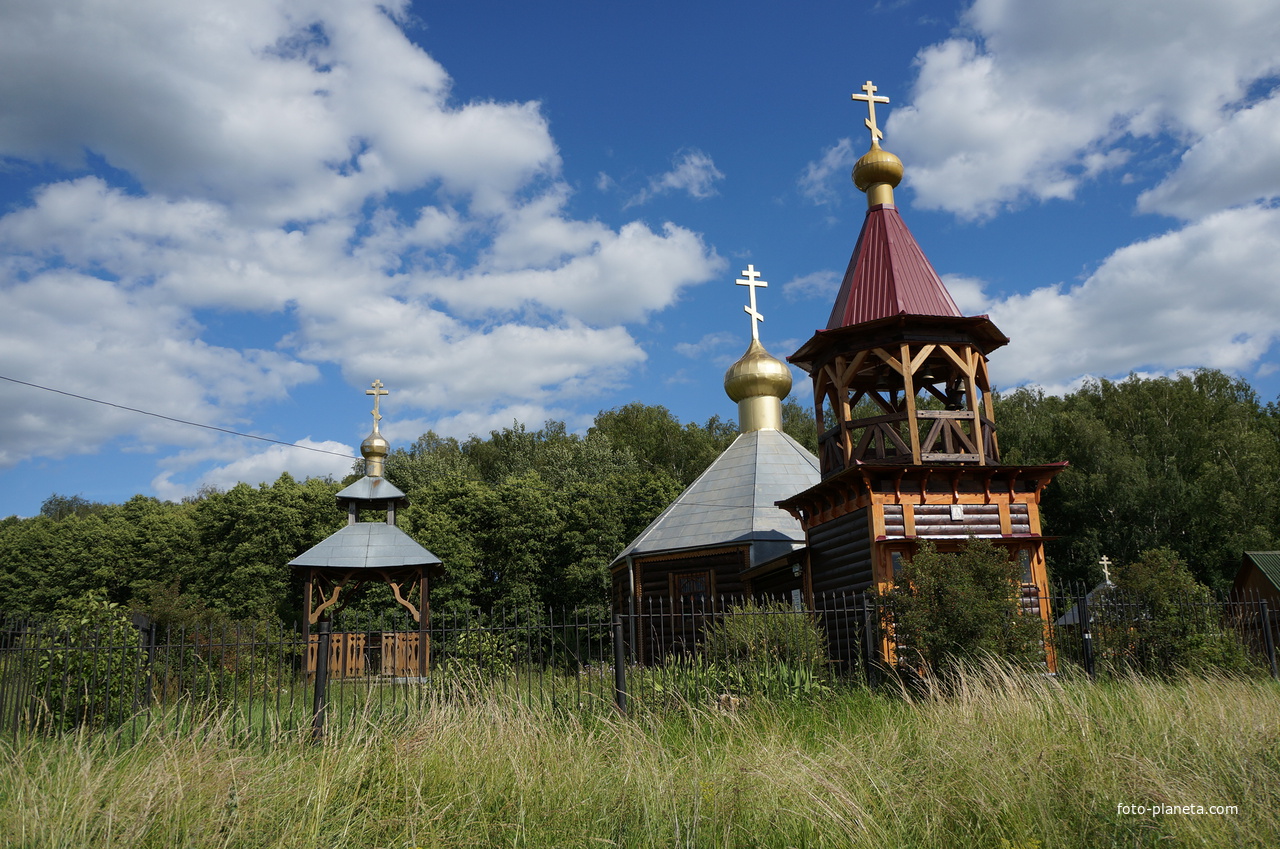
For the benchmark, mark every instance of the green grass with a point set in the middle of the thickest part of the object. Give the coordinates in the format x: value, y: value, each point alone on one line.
x: 1002, y: 760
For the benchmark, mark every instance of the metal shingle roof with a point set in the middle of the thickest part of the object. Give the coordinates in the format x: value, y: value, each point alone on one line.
x: 888, y: 275
x: 733, y: 501
x: 370, y: 488
x: 367, y: 545
x: 1268, y: 562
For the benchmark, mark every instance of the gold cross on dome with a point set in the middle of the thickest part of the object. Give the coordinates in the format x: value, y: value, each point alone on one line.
x: 1105, y: 562
x: 870, y: 121
x: 752, y: 282
x: 377, y: 392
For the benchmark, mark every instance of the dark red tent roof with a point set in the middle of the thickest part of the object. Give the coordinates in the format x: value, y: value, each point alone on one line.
x: 888, y: 275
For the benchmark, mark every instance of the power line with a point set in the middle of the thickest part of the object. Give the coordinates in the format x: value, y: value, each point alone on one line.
x: 177, y: 421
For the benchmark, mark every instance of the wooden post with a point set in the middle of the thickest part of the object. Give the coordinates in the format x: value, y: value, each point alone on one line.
x: 306, y: 608
x: 424, y: 615
x: 320, y: 700
x: 909, y: 390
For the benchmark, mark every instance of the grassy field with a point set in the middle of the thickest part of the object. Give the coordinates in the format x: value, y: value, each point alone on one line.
x: 1002, y: 761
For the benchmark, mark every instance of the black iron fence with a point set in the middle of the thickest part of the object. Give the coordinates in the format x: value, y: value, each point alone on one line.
x: 264, y: 681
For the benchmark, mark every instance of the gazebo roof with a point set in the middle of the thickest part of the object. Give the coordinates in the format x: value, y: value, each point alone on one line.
x: 371, y: 489
x: 366, y: 545
x: 888, y: 275
x: 733, y: 501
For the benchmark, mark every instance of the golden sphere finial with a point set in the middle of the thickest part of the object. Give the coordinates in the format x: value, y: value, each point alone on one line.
x: 877, y: 166
x: 757, y: 373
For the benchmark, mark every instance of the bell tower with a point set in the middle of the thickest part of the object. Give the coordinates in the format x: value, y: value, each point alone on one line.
x: 906, y: 426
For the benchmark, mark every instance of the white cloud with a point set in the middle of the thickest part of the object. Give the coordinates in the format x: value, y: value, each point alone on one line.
x: 816, y: 181
x: 1235, y: 164
x: 820, y: 285
x: 464, y: 424
x: 692, y: 172
x: 302, y: 161
x: 86, y: 336
x: 286, y: 110
x: 617, y: 276
x: 1203, y: 295
x: 967, y: 292
x: 1044, y: 95
x: 263, y: 466
x: 708, y: 344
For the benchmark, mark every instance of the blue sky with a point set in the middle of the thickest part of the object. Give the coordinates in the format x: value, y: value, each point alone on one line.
x: 242, y: 213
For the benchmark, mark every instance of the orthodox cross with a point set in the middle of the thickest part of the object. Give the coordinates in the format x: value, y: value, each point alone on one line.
x: 751, y: 282
x: 1105, y: 562
x: 377, y: 392
x: 872, y: 100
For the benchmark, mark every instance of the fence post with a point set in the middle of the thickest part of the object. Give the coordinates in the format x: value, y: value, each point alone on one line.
x: 1267, y: 638
x: 870, y: 654
x: 151, y: 662
x: 321, y: 699
x: 619, y: 667
x: 1086, y: 635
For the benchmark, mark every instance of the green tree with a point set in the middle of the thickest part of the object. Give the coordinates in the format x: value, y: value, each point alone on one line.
x: 947, y: 608
x: 1189, y: 463
x: 88, y: 663
x: 659, y: 442
x: 59, y: 507
x: 1158, y: 619
x: 798, y: 423
x: 247, y: 537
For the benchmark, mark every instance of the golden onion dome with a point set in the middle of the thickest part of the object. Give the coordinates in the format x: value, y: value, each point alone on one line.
x: 877, y: 166
x: 757, y: 374
x: 374, y: 445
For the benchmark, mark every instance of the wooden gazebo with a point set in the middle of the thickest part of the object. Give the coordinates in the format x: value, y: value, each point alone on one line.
x: 364, y: 552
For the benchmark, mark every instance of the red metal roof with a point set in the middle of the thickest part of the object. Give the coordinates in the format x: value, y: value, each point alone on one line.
x: 888, y: 275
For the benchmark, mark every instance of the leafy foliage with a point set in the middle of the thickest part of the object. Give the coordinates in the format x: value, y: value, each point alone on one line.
x: 768, y: 649
x: 1157, y: 619
x: 948, y: 608
x: 1188, y: 463
x: 88, y: 663
x: 531, y: 518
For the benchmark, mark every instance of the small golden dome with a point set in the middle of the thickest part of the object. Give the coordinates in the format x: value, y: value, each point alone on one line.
x: 877, y: 166
x: 757, y: 374
x: 374, y: 445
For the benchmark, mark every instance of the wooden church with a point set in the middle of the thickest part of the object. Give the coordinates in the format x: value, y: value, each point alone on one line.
x: 724, y: 536
x: 907, y: 434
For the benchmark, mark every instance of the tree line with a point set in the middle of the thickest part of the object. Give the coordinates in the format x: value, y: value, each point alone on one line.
x: 532, y: 518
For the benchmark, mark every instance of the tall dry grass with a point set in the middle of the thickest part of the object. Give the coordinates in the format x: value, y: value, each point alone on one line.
x: 997, y: 759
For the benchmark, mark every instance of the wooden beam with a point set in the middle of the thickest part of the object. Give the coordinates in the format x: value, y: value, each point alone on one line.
x: 964, y: 364
x: 892, y: 361
x: 971, y: 387
x: 909, y: 389
x: 918, y: 359
x: 851, y: 370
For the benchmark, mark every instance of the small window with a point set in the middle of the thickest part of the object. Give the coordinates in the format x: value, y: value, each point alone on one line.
x: 692, y: 587
x: 896, y: 559
x: 1024, y: 560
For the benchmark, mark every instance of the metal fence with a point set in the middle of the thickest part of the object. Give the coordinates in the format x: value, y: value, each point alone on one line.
x: 264, y: 681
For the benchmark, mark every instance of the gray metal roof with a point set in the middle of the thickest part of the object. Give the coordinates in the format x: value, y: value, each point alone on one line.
x: 370, y: 488
x: 367, y: 545
x: 733, y: 501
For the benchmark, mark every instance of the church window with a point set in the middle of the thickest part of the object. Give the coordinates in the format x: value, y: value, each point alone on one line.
x: 692, y: 587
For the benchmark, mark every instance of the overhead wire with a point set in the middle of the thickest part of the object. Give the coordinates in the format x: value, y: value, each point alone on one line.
x: 177, y: 421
